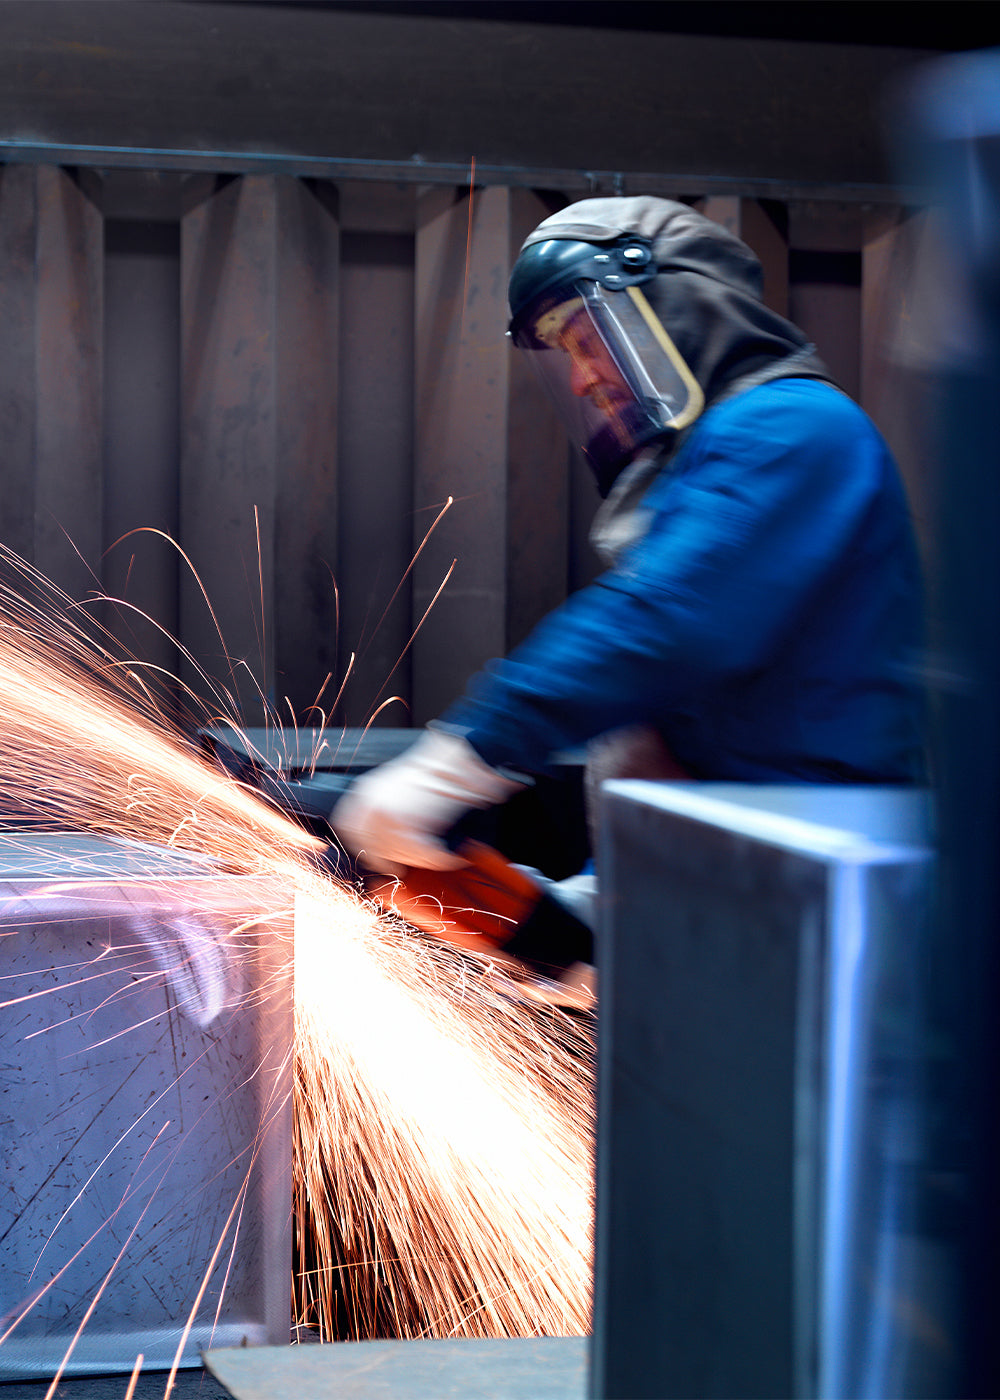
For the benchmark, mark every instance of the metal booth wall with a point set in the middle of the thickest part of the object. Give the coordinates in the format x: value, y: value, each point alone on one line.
x: 289, y: 378
x: 253, y: 289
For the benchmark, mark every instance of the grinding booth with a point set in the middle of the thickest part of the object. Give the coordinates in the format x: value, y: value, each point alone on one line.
x: 792, y: 1197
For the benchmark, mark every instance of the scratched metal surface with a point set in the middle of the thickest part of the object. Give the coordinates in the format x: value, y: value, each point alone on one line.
x: 517, y: 1368
x: 140, y: 1075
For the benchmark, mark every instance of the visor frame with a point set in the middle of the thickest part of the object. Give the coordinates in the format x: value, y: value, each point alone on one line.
x: 625, y: 393
x: 654, y: 372
x: 544, y: 268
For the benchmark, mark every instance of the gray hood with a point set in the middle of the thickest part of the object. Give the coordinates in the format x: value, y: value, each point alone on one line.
x: 707, y: 292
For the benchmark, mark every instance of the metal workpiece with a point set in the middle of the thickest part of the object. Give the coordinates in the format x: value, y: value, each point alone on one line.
x: 305, y: 751
x: 145, y: 1049
x: 771, y: 1181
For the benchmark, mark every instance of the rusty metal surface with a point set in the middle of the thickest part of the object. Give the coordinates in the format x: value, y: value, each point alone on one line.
x: 303, y: 611
x: 461, y: 380
x: 301, y: 342
x: 375, y: 487
x: 140, y: 434
x: 320, y: 322
x: 51, y: 373
x: 258, y: 444
x: 538, y: 467
x: 69, y: 370
x: 228, y: 432
x: 307, y: 83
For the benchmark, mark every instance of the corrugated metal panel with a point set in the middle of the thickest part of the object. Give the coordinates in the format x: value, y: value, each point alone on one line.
x: 298, y: 340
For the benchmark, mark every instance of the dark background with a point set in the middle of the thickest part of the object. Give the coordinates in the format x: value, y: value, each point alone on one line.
x: 248, y: 305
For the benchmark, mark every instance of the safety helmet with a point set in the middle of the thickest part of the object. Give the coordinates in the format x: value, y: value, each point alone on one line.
x: 579, y: 311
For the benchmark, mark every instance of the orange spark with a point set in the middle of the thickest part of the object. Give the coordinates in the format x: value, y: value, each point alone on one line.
x: 443, y: 1130
x: 468, y: 245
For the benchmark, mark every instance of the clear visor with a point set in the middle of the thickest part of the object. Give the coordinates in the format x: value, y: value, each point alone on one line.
x: 617, y: 378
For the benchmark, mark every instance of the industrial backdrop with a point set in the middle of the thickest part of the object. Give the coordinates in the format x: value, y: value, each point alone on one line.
x: 253, y: 262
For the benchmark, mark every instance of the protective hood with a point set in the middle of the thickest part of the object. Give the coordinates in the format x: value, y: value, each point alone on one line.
x: 706, y: 293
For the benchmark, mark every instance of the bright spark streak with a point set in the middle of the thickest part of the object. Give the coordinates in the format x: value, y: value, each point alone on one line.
x: 134, y: 1378
x: 463, y: 1122
x: 443, y: 1130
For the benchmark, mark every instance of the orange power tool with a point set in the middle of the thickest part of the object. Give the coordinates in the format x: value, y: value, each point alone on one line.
x: 496, y: 910
x: 489, y: 907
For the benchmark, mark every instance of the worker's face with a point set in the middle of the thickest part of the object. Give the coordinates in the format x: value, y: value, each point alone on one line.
x: 615, y: 376
x: 594, y: 375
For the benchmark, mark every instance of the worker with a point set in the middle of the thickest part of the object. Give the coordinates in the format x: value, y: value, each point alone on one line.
x: 759, y: 616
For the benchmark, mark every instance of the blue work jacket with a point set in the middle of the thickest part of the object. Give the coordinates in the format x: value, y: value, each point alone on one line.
x: 767, y: 623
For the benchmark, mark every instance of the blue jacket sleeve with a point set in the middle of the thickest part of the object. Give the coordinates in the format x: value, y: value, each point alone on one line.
x: 771, y: 494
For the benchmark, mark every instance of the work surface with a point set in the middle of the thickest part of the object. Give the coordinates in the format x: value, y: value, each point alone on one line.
x: 538, y: 1368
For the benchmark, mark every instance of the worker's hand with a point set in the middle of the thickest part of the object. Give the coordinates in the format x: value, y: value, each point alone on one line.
x: 395, y: 815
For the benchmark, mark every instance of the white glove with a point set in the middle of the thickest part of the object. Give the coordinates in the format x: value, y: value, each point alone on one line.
x: 394, y: 816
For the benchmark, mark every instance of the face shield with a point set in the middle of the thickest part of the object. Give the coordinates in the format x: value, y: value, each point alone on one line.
x: 617, y: 379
